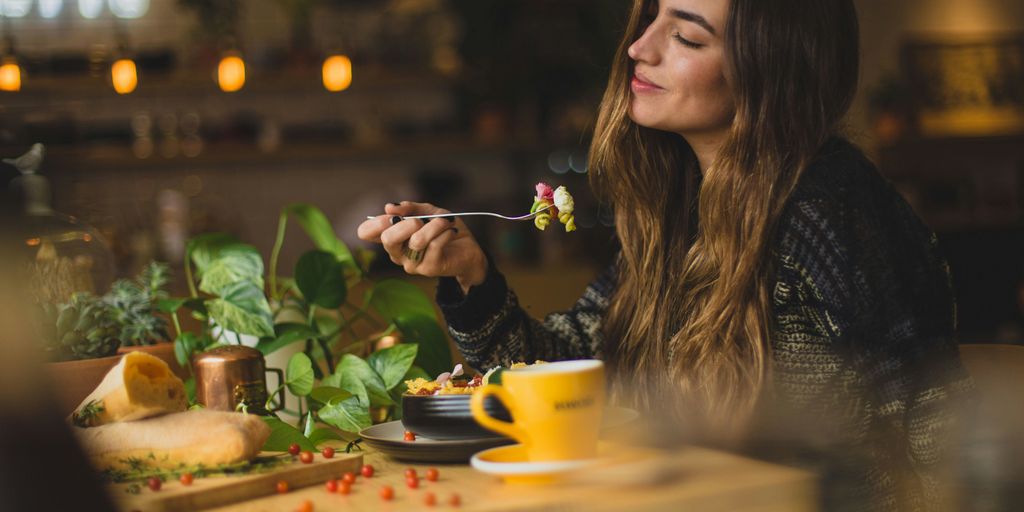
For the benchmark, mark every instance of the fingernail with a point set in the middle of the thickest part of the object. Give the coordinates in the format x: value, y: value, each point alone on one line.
x: 396, y: 219
x: 395, y: 203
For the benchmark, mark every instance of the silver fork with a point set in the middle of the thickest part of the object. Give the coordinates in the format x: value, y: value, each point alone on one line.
x: 467, y: 214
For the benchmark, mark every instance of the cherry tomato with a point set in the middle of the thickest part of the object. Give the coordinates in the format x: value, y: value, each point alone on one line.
x: 154, y: 483
x: 186, y: 478
x: 305, y: 506
x: 367, y: 470
x: 455, y: 500
x: 331, y: 485
x: 306, y: 457
x: 387, y: 493
x: 344, y: 487
x: 328, y: 452
x: 429, y: 499
x: 412, y: 482
x: 349, y: 478
x: 432, y: 474
x: 282, y: 487
x: 294, y: 448
x: 409, y: 436
x: 410, y: 473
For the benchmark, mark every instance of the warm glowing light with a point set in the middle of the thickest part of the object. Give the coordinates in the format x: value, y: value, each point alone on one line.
x: 10, y: 75
x: 124, y: 76
x: 231, y: 73
x: 337, y: 73
x: 32, y: 242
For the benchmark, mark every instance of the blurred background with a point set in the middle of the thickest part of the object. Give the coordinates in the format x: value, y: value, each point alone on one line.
x: 163, y: 119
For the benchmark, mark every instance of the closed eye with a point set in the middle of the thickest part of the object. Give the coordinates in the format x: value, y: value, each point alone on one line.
x: 686, y: 42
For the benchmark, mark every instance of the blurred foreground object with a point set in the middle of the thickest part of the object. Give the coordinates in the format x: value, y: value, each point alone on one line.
x: 992, y: 457
x: 63, y: 255
x: 36, y: 447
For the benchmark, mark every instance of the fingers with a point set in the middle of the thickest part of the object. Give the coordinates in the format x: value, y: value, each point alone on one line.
x: 394, y: 238
x: 433, y: 262
x: 406, y: 208
x: 371, y: 229
x: 421, y: 238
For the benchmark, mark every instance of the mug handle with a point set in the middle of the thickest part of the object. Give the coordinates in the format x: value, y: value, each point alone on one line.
x: 476, y: 406
x: 280, y: 382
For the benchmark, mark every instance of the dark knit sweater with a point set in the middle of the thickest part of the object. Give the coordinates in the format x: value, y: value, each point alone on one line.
x: 865, y: 363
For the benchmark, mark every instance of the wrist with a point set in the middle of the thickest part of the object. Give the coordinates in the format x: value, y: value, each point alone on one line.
x: 476, y: 274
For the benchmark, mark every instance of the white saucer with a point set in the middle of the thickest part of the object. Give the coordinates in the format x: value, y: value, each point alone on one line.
x: 511, y: 464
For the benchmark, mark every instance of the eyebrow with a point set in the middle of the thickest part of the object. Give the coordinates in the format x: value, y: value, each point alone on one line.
x: 692, y: 17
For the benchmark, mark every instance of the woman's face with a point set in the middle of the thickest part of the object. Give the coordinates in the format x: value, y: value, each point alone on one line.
x: 678, y: 82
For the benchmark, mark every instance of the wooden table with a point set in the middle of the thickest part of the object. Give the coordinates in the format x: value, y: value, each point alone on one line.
x: 690, y: 479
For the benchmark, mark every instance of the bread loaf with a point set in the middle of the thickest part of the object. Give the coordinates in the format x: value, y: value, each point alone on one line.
x: 193, y: 437
x: 139, y: 386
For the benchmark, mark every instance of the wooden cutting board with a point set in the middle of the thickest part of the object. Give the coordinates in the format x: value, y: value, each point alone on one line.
x: 222, y: 490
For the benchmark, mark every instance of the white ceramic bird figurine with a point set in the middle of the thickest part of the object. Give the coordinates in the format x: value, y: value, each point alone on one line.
x: 29, y: 162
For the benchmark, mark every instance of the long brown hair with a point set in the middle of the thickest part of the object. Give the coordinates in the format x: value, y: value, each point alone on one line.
x: 692, y: 307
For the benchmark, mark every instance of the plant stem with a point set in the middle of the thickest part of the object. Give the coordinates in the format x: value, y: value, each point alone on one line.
x: 327, y: 355
x: 177, y: 325
x: 188, y: 275
x: 282, y: 224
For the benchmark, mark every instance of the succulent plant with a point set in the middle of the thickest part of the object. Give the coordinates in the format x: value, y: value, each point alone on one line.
x: 83, y: 328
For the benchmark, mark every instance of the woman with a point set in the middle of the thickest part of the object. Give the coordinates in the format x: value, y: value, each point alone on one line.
x: 763, y: 259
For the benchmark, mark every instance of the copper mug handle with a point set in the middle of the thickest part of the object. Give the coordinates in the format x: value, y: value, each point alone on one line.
x: 280, y: 392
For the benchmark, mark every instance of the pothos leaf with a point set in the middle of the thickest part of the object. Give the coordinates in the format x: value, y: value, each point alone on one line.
x: 242, y: 308
x: 393, y: 362
x: 300, y: 374
x: 352, y: 365
x: 349, y: 415
x: 321, y: 279
x: 283, y: 435
x: 394, y: 298
x: 321, y: 435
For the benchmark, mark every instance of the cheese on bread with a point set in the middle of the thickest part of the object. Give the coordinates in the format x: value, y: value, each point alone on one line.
x: 139, y: 386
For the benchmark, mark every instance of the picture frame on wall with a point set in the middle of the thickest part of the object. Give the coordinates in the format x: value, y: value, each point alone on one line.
x: 966, y: 85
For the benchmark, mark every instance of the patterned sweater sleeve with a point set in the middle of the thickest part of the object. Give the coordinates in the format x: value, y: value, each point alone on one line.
x: 877, y: 280
x: 490, y: 328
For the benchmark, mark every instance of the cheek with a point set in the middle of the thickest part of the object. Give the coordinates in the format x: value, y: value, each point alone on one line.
x: 705, y: 85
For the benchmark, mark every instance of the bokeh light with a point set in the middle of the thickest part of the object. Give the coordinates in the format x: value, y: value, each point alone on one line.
x: 231, y: 73
x: 337, y: 73
x: 124, y: 76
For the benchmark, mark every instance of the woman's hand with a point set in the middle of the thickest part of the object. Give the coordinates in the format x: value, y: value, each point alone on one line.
x: 440, y: 247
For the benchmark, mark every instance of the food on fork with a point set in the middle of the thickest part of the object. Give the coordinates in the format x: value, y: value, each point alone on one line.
x: 559, y: 203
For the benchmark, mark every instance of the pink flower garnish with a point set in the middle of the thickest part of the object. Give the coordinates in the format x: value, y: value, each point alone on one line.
x: 544, y: 191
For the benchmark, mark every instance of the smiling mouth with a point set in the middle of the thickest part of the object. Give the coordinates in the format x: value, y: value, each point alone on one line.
x: 639, y: 84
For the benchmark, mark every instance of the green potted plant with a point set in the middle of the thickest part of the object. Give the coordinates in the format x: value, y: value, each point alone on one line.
x: 84, y: 336
x: 329, y: 318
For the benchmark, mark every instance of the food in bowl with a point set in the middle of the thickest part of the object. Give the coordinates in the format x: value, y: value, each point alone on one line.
x: 439, y: 409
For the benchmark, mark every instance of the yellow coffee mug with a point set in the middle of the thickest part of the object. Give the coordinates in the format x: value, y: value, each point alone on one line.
x: 556, y: 408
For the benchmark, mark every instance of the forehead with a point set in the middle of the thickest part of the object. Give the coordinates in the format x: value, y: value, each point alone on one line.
x: 714, y: 11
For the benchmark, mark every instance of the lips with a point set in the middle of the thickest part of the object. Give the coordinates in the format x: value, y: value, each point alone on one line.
x: 640, y: 83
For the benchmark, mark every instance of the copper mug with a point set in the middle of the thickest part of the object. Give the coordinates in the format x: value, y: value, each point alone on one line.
x: 232, y: 375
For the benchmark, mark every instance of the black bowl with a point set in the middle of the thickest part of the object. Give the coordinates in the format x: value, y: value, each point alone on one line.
x: 448, y: 416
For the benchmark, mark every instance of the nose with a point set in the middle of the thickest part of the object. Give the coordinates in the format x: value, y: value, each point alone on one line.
x: 643, y: 49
